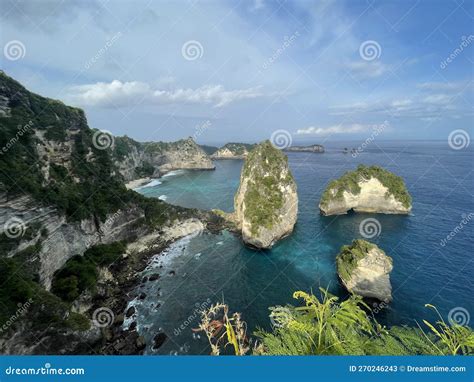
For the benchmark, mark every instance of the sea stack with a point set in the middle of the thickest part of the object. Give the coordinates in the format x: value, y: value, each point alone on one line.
x: 367, y: 189
x: 233, y: 151
x: 266, y: 203
x: 364, y: 269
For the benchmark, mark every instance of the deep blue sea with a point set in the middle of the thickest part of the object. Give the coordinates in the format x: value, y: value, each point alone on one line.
x: 212, y: 268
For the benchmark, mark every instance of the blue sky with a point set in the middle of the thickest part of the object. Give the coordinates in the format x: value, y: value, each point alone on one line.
x: 238, y: 71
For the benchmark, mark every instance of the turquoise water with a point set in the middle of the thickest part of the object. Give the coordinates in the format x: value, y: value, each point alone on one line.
x: 209, y: 267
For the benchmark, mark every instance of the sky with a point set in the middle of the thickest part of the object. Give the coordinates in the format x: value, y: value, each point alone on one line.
x: 242, y: 71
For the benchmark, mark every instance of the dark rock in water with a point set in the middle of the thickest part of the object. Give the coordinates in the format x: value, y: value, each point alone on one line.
x: 154, y: 277
x: 145, y: 279
x: 159, y: 339
x: 119, y: 319
x: 142, y: 296
x: 172, y: 273
x: 130, y: 312
x: 140, y: 343
x: 132, y: 326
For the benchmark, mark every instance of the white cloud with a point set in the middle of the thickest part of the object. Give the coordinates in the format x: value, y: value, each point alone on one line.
x: 368, y: 69
x: 336, y: 129
x: 119, y: 94
x: 446, y: 86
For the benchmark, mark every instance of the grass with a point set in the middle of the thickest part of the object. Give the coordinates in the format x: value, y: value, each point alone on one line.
x: 349, y: 182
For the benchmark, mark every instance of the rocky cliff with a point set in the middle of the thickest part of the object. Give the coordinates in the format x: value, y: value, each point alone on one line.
x: 266, y: 203
x: 136, y: 160
x: 367, y: 189
x: 233, y: 151
x: 364, y: 269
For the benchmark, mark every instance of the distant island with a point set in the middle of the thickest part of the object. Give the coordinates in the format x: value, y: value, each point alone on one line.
x: 306, y: 149
x: 233, y: 150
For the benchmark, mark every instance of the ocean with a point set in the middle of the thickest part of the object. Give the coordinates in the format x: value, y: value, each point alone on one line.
x: 432, y: 249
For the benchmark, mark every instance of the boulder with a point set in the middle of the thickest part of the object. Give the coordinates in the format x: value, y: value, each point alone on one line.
x: 364, y: 269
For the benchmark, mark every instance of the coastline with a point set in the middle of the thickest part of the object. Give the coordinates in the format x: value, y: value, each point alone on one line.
x: 120, y: 290
x: 137, y: 183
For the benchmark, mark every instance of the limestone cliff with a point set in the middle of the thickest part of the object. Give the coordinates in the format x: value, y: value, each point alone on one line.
x: 367, y: 189
x: 233, y: 151
x: 266, y: 203
x: 136, y: 160
x: 364, y: 270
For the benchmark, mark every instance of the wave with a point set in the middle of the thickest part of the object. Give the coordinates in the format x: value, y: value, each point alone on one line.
x: 173, y: 173
x: 162, y: 197
x: 153, y: 183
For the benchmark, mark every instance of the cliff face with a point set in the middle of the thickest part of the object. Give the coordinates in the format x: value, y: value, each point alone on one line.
x: 364, y: 270
x: 233, y: 151
x: 266, y: 203
x: 55, y: 240
x: 135, y: 160
x: 60, y: 191
x: 368, y: 189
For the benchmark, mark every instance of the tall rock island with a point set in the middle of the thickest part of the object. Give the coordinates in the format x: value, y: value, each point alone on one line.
x: 364, y: 270
x: 367, y: 189
x: 266, y: 203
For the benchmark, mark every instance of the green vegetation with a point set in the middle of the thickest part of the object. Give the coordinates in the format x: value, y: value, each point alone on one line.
x: 239, y: 148
x: 22, y: 297
x: 350, y: 182
x: 263, y: 198
x: 89, y: 189
x: 325, y: 326
x: 80, y: 273
x: 209, y: 150
x: 350, y: 255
